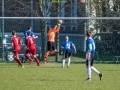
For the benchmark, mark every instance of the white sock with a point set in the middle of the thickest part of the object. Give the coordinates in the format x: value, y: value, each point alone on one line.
x: 63, y: 62
x: 95, y: 70
x: 89, y: 72
x: 69, y: 61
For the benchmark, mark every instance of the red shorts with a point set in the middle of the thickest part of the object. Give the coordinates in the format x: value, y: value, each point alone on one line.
x: 31, y: 51
x: 16, y: 50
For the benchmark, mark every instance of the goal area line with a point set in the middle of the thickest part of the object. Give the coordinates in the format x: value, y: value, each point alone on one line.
x: 68, y: 18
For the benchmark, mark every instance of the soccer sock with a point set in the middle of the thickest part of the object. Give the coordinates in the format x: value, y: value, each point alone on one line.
x: 52, y: 52
x: 89, y: 72
x: 46, y: 56
x: 68, y: 61
x: 63, y: 62
x: 28, y: 57
x: 95, y: 70
x: 19, y: 61
x: 37, y: 61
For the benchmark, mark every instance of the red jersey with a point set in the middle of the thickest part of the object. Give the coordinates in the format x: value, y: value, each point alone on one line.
x: 30, y: 42
x: 15, y: 41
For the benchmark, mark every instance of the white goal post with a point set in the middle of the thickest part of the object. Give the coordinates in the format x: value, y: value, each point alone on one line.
x: 85, y: 18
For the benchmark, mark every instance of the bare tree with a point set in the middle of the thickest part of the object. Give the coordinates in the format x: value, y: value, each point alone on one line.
x: 44, y: 12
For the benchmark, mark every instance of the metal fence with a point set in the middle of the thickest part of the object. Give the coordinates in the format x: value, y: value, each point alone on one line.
x: 107, y: 43
x: 74, y: 34
x: 108, y: 10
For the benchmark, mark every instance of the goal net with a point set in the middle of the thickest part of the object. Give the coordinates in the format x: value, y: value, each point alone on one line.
x: 105, y: 28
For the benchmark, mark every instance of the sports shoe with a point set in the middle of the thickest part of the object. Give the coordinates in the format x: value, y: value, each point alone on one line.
x: 100, y: 75
x: 38, y: 64
x: 68, y: 66
x: 44, y: 61
x: 18, y: 65
x: 30, y: 62
x: 62, y: 67
x: 22, y: 66
x: 88, y: 79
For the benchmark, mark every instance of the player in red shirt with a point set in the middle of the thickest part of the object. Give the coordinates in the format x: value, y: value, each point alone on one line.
x: 16, y: 43
x: 31, y: 49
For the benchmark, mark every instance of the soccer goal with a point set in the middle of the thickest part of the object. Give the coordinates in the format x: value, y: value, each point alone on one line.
x: 74, y: 27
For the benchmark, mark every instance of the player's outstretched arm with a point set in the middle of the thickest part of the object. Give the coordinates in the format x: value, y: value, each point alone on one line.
x: 20, y: 42
x: 61, y: 51
x: 74, y: 48
x: 35, y: 37
x: 57, y: 27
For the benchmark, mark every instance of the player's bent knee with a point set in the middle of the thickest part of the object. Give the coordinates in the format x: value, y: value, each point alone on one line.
x: 34, y: 56
x: 55, y: 50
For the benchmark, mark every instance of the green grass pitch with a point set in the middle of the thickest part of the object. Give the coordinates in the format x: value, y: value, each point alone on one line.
x: 52, y: 77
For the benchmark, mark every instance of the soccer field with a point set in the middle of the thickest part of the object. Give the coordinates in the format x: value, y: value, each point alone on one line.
x: 52, y: 77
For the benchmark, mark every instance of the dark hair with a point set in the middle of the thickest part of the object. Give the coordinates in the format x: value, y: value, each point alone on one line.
x: 28, y: 33
x: 13, y: 32
x: 29, y: 27
x: 48, y: 28
x: 89, y: 33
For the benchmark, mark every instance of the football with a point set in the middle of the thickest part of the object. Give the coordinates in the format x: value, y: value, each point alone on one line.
x: 60, y: 21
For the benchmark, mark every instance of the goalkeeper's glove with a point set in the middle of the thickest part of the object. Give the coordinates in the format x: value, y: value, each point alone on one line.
x: 57, y: 23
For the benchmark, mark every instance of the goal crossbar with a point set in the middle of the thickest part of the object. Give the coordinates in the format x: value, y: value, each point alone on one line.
x: 86, y: 18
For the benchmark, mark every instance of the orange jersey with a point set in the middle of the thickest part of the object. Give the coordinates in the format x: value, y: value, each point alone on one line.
x: 51, y: 33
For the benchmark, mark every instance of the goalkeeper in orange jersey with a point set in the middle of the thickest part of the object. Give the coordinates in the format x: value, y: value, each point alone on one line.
x: 51, y: 40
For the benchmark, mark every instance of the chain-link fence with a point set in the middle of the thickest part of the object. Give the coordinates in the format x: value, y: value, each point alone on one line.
x: 107, y: 43
x: 74, y: 28
x: 74, y: 34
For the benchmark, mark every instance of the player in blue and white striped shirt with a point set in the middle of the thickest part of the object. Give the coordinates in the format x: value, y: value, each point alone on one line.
x: 68, y: 47
x: 90, y: 50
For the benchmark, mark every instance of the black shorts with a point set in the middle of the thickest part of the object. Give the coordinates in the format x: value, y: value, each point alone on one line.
x: 91, y: 58
x: 67, y: 53
x: 51, y: 46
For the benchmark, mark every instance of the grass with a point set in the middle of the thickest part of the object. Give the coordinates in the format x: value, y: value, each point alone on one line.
x: 52, y: 77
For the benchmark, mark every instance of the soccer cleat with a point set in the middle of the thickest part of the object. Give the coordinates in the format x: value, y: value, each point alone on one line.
x: 68, y: 66
x: 18, y: 65
x: 44, y: 61
x: 100, y: 75
x: 22, y: 66
x: 30, y: 62
x: 88, y: 79
x: 62, y: 67
x: 38, y: 64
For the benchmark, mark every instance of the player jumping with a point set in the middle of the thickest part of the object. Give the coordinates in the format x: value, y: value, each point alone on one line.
x: 51, y: 40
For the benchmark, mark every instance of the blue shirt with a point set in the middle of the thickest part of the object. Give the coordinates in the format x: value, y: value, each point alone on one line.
x: 25, y: 34
x: 67, y: 45
x: 90, y: 45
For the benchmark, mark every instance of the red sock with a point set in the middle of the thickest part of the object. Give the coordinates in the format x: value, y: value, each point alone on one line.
x: 28, y: 57
x: 37, y: 61
x: 19, y: 61
x: 46, y: 56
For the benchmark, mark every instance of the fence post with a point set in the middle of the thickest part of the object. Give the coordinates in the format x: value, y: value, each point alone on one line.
x: 2, y: 30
